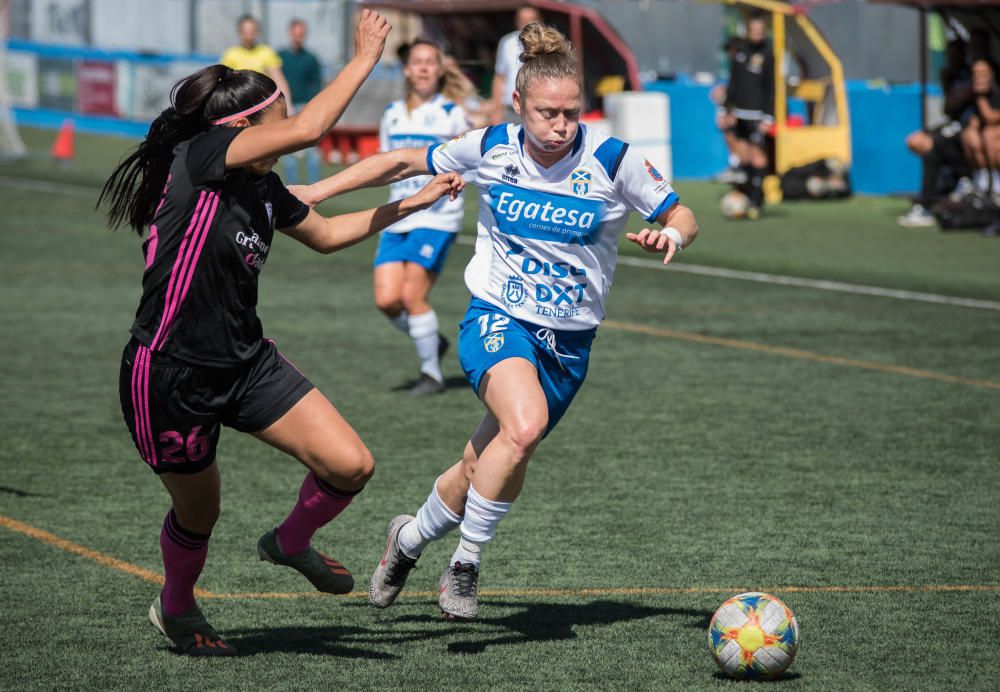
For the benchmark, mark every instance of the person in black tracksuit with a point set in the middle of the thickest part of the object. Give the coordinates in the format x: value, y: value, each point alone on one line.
x: 197, y: 359
x: 750, y: 106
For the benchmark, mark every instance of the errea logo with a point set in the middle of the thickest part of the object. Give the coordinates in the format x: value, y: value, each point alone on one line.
x: 510, y: 173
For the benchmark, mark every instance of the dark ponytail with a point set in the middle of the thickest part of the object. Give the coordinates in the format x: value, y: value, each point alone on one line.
x: 133, y: 190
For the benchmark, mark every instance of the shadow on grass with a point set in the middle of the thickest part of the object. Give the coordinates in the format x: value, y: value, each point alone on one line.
x: 535, y: 622
x: 7, y: 490
x: 449, y: 383
x: 325, y: 641
x: 784, y: 677
x: 544, y: 622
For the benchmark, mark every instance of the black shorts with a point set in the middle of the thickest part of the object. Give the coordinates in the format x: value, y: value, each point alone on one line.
x: 749, y: 131
x: 947, y: 143
x: 174, y: 409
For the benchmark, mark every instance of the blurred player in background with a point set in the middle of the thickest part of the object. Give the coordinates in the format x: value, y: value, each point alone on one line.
x: 305, y: 79
x: 554, y: 197
x: 942, y: 147
x: 508, y: 62
x: 249, y: 54
x: 981, y: 136
x: 412, y: 253
x: 750, y: 96
x: 201, y: 181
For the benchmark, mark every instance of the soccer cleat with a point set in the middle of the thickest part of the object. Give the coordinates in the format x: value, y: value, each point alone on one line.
x: 917, y: 217
x: 426, y: 386
x: 394, y: 567
x: 753, y: 213
x: 325, y: 573
x: 190, y: 632
x: 457, y: 590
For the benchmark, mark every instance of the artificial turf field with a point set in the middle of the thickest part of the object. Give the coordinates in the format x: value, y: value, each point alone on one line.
x: 838, y: 450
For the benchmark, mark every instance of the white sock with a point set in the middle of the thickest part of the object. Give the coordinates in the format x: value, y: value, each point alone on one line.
x: 468, y: 553
x: 996, y: 182
x: 982, y: 179
x: 424, y: 332
x: 401, y: 322
x: 478, y: 527
x: 434, y: 520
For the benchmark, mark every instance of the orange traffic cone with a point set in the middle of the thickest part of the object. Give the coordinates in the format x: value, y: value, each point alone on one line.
x: 62, y: 148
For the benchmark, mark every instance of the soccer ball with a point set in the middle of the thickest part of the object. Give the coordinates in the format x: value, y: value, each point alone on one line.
x: 753, y: 635
x: 734, y: 205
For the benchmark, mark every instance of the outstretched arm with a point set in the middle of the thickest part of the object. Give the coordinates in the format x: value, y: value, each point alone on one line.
x: 374, y: 171
x: 679, y: 231
x: 328, y: 235
x: 307, y: 127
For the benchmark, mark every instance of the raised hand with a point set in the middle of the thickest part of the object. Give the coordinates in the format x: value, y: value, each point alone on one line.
x: 369, y: 36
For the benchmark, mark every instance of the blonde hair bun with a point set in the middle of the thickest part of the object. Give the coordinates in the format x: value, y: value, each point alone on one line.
x: 539, y: 39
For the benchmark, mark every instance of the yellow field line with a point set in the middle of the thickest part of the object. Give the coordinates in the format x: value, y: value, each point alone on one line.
x: 153, y: 577
x: 796, y: 353
x: 100, y: 558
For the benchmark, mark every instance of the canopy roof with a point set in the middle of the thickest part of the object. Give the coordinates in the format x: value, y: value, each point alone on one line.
x: 472, y: 29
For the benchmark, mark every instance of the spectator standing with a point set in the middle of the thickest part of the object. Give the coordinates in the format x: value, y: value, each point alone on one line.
x: 305, y: 80
x: 250, y: 54
x: 508, y: 63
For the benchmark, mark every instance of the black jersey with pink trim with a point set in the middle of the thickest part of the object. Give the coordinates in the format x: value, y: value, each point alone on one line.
x: 207, y: 244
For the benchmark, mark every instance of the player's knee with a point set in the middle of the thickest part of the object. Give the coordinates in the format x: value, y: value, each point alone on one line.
x: 523, y: 435
x: 414, y: 301
x: 199, y: 518
x: 391, y: 305
x: 348, y: 468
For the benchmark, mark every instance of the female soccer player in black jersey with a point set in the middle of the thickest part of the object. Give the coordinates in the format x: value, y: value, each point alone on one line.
x: 201, y: 182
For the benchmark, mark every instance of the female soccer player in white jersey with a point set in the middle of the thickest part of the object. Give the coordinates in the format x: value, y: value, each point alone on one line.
x: 554, y: 197
x: 412, y: 253
x: 201, y: 181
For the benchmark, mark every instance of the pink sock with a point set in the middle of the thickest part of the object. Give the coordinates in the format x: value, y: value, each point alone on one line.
x: 319, y: 502
x: 184, y: 554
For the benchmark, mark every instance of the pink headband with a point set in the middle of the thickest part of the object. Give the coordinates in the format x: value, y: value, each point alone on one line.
x: 250, y: 111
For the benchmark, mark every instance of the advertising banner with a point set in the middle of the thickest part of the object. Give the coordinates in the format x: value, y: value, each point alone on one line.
x: 95, y: 92
x: 57, y: 83
x: 22, y: 79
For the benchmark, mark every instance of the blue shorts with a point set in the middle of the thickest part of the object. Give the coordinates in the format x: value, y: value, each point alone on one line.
x: 488, y: 335
x: 426, y: 247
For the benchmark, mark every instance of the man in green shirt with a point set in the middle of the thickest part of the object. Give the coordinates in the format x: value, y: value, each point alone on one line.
x: 305, y: 80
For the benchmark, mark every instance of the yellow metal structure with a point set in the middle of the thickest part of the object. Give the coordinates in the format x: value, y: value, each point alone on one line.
x: 827, y: 133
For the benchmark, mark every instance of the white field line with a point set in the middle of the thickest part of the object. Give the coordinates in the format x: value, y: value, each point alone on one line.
x: 701, y: 270
x: 799, y: 282
x: 46, y: 186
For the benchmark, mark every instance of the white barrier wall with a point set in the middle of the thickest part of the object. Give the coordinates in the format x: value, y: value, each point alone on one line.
x: 642, y: 118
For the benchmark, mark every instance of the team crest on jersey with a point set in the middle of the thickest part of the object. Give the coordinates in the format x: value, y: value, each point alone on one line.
x: 493, y: 342
x: 653, y: 173
x: 581, y: 181
x: 514, y: 294
x: 270, y: 213
x: 510, y: 173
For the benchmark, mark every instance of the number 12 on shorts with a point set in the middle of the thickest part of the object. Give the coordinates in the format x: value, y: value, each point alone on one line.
x: 492, y: 323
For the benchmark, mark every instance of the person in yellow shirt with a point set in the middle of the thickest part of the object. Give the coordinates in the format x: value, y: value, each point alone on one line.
x: 251, y: 55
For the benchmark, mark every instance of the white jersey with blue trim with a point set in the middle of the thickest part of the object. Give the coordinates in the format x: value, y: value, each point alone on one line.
x: 430, y: 123
x: 547, y: 243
